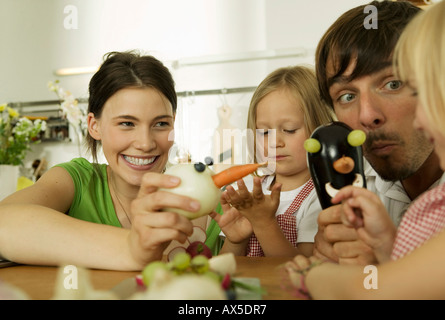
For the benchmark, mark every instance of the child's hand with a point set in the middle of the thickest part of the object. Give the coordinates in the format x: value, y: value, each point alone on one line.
x: 363, y: 210
x: 295, y: 272
x: 236, y: 228
x: 258, y: 208
x: 153, y: 229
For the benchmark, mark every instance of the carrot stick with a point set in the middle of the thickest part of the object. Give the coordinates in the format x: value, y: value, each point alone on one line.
x: 234, y: 173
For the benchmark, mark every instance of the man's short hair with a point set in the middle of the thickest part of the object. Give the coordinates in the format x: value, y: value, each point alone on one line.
x: 348, y: 39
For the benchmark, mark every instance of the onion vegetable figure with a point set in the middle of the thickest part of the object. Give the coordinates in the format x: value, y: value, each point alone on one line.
x: 201, y: 183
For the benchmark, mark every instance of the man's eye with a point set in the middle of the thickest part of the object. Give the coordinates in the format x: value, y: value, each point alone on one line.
x: 126, y: 124
x: 345, y: 98
x: 393, y: 85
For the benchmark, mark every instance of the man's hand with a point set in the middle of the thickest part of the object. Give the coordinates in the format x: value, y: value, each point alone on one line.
x: 339, y: 243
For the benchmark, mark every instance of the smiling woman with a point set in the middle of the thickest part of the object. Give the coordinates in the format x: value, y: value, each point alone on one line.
x: 107, y: 216
x: 134, y: 132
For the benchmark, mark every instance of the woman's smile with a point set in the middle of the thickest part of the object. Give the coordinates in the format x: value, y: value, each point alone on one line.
x: 140, y: 163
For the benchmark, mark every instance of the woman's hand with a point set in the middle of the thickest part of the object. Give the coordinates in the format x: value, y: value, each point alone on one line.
x: 153, y: 229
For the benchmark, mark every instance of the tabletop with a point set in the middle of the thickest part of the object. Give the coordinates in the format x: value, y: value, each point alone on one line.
x: 38, y: 282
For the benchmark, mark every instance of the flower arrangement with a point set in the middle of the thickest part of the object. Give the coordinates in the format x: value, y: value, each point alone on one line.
x: 16, y: 135
x: 71, y: 109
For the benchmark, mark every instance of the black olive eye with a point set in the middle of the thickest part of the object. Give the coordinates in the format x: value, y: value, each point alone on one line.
x: 208, y: 161
x: 200, y: 167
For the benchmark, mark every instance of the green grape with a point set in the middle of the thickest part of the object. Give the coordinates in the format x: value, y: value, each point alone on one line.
x: 200, y: 264
x: 312, y: 145
x: 356, y: 138
x: 150, y: 270
x: 181, y: 261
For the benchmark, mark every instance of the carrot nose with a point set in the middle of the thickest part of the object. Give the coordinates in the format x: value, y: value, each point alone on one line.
x: 234, y: 173
x: 344, y: 165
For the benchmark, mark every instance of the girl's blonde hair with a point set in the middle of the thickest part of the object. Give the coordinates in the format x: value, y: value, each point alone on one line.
x: 302, y: 84
x: 420, y: 55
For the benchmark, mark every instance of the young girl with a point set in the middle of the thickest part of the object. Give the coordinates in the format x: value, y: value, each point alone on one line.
x: 106, y: 216
x: 415, y: 263
x: 279, y: 216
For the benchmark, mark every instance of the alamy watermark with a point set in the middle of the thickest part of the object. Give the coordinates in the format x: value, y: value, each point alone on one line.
x: 371, y: 280
x: 70, y: 282
x: 371, y: 20
x: 71, y: 21
x: 240, y: 142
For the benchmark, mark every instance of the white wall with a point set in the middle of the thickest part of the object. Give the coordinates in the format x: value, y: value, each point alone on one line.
x: 36, y: 43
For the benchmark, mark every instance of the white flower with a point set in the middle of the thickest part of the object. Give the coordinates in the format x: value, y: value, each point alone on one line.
x: 41, y: 124
x: 75, y: 114
x: 52, y: 86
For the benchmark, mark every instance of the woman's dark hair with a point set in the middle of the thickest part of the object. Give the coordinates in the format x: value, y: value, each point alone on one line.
x: 348, y: 39
x: 122, y: 70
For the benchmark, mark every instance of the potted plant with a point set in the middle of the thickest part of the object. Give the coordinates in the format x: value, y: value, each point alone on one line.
x: 16, y: 136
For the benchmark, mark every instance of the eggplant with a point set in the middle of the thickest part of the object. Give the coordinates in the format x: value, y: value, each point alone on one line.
x: 335, y: 159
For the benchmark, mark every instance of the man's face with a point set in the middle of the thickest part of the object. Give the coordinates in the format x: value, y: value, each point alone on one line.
x: 384, y: 108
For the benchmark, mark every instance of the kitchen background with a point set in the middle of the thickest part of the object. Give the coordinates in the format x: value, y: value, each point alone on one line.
x: 217, y: 50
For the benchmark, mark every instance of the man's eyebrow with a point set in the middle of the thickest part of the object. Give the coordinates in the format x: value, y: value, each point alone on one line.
x: 341, y: 79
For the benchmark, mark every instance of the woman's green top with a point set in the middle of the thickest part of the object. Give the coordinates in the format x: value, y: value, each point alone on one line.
x: 92, y: 200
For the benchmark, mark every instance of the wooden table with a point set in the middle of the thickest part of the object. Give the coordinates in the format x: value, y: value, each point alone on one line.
x: 38, y: 282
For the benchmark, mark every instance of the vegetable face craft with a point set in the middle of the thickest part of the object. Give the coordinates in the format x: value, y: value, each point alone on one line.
x: 201, y: 183
x: 335, y: 159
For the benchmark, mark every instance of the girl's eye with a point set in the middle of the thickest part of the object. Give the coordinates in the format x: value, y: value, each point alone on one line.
x: 290, y: 131
x: 262, y: 132
x: 347, y: 97
x: 393, y: 85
